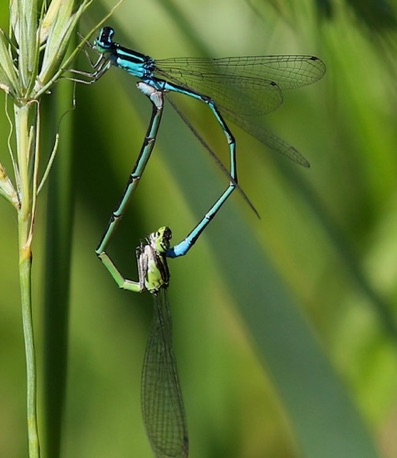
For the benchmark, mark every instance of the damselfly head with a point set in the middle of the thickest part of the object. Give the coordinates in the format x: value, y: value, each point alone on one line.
x: 105, y: 42
x: 160, y: 240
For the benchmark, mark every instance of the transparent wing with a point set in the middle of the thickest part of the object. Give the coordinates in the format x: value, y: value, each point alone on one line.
x: 162, y: 404
x: 244, y: 88
x: 247, y: 85
x: 256, y: 129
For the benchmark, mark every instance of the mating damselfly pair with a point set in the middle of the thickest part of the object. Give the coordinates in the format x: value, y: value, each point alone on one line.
x: 239, y: 89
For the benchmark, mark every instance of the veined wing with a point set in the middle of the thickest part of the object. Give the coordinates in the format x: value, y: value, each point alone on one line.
x: 288, y: 71
x: 253, y: 127
x: 162, y: 404
x: 246, y: 85
x: 242, y: 94
x: 244, y: 88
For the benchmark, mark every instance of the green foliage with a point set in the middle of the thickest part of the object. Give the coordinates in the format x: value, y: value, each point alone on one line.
x: 285, y: 327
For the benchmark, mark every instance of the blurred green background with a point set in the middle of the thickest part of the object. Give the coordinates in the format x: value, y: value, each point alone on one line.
x: 284, y: 327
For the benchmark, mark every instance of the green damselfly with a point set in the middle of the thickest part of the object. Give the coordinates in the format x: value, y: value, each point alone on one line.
x: 162, y: 403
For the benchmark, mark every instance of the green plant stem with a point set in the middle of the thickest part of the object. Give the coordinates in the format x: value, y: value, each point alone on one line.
x: 25, y: 272
x: 25, y: 269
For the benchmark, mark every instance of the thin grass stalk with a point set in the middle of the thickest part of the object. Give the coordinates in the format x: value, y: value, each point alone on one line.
x: 33, y: 57
x: 25, y: 271
x: 25, y: 225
